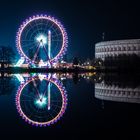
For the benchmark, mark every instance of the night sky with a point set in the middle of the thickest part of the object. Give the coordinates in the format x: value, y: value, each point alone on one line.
x: 85, y: 21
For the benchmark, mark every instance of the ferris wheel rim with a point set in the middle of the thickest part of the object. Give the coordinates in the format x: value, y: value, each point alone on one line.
x: 57, y: 117
x: 46, y: 17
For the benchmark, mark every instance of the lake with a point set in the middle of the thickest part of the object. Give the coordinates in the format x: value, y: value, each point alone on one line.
x: 69, y: 105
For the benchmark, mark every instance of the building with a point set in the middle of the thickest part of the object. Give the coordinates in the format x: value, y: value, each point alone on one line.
x: 119, y: 53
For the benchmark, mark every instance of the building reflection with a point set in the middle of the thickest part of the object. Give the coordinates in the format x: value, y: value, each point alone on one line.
x: 119, y: 88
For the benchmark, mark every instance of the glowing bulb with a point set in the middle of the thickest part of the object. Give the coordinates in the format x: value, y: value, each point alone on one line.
x: 42, y: 39
x: 41, y: 77
x: 41, y: 102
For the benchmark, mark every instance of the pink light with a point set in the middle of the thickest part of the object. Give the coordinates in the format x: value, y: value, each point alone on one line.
x: 57, y: 117
x: 28, y: 21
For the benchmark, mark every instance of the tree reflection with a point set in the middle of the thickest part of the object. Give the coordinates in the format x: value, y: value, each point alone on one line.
x: 7, y: 84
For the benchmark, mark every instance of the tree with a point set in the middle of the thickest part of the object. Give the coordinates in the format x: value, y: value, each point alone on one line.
x: 7, y: 55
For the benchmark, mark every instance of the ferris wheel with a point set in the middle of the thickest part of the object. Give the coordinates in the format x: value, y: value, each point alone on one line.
x: 41, y: 102
x: 41, y: 39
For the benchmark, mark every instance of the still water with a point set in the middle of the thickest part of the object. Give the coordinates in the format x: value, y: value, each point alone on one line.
x: 69, y: 104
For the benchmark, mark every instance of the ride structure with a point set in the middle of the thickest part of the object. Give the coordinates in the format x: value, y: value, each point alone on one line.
x: 41, y: 100
x: 41, y: 41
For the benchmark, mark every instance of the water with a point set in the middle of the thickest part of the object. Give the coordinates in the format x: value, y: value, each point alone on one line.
x: 93, y: 104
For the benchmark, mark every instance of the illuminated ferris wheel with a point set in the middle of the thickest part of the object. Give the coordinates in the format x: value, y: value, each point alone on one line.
x: 41, y: 39
x: 41, y: 102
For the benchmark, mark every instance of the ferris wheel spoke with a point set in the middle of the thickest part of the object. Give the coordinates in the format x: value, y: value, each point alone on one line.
x: 54, y: 110
x: 29, y: 44
x: 37, y: 27
x: 56, y: 106
x: 25, y: 100
x: 50, y: 114
x: 46, y: 28
x: 27, y: 40
x: 33, y: 31
x: 35, y: 86
x: 29, y: 30
x: 27, y: 51
x: 46, y: 89
x: 56, y: 48
x: 51, y: 26
x: 56, y: 35
x: 41, y: 23
x: 56, y: 100
x: 31, y: 25
x: 57, y: 40
x: 27, y: 96
x: 56, y: 32
x: 36, y: 53
x: 46, y: 52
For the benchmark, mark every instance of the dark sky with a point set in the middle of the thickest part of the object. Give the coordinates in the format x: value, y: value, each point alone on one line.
x: 84, y: 21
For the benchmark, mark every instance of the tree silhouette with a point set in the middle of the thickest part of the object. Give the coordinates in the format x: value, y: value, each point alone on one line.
x: 7, y: 55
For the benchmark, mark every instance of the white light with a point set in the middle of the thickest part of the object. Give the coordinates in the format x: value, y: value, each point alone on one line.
x: 63, y: 78
x: 42, y: 40
x: 41, y: 76
x: 20, y: 62
x: 41, y: 63
x: 41, y: 102
x: 20, y: 78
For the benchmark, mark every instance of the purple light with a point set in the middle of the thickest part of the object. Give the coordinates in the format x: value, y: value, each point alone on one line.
x: 59, y: 85
x: 49, y: 18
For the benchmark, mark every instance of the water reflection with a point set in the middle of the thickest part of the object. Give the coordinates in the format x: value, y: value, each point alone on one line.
x: 41, y: 100
x: 7, y: 84
x: 119, y: 88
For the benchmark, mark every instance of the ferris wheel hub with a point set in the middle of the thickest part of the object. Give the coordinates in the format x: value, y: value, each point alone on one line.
x: 42, y: 40
x: 41, y: 102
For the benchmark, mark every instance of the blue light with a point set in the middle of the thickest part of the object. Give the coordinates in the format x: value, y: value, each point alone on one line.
x: 20, y: 62
x: 41, y: 101
x: 20, y: 78
x: 42, y: 39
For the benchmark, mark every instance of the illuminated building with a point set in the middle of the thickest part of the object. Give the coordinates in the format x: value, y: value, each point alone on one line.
x: 119, y: 54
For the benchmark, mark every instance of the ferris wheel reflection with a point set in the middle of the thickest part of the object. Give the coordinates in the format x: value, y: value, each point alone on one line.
x: 41, y: 100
